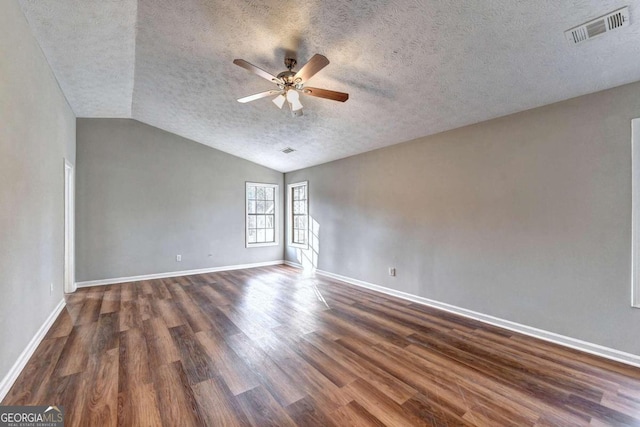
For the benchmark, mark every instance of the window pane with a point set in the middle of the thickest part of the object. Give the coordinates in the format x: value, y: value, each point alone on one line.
x: 269, y: 206
x: 299, y: 207
x: 261, y: 202
x: 299, y: 216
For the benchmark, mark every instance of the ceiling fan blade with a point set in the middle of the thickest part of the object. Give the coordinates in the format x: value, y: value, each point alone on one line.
x: 308, y: 70
x: 258, y: 96
x: 324, y: 93
x: 255, y: 70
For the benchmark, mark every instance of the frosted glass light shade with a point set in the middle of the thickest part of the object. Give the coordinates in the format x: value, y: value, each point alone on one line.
x: 279, y: 100
x: 292, y: 95
x: 296, y: 105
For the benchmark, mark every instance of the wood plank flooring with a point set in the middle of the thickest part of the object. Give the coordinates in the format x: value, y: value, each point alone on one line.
x: 272, y: 347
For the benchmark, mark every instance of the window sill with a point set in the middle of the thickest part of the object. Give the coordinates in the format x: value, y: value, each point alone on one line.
x: 260, y: 245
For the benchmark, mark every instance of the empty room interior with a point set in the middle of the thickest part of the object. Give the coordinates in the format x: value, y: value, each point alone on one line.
x: 320, y: 213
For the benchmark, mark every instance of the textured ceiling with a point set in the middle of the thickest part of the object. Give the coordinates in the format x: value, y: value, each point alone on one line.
x: 412, y: 68
x: 91, y: 48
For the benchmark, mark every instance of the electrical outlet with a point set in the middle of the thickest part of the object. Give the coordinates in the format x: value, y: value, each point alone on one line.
x: 392, y: 271
x: 178, y: 258
x: 51, y: 289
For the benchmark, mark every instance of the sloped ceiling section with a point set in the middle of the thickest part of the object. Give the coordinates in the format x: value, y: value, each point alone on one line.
x: 412, y: 67
x: 91, y: 47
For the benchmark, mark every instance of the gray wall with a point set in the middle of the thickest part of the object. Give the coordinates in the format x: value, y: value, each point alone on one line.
x: 144, y: 195
x: 526, y: 217
x: 37, y: 131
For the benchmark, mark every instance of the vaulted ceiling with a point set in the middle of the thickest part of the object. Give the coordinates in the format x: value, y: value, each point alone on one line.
x: 412, y: 68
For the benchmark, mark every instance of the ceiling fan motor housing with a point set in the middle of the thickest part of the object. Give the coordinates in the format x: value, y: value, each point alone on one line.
x: 288, y: 77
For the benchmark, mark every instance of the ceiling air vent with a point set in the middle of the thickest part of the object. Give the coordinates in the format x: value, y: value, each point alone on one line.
x: 611, y: 21
x: 288, y: 150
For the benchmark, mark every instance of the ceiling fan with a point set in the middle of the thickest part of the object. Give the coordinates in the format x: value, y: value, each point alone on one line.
x: 291, y: 83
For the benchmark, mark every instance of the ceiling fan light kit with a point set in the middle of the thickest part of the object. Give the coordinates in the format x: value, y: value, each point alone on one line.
x: 291, y: 84
x: 279, y: 100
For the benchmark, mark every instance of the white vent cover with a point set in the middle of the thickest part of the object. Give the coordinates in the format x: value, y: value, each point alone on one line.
x: 611, y: 21
x: 288, y: 150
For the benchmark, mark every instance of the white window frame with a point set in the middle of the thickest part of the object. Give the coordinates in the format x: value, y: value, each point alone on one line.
x: 276, y: 217
x: 635, y: 213
x: 290, y: 241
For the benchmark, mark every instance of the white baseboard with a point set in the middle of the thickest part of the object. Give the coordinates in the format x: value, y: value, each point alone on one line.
x: 292, y: 264
x: 116, y: 280
x: 18, y: 366
x: 587, y: 347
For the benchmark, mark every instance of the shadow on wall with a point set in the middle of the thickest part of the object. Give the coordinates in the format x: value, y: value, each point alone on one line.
x: 308, y: 257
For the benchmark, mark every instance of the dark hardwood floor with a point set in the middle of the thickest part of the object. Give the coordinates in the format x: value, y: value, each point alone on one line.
x: 269, y: 346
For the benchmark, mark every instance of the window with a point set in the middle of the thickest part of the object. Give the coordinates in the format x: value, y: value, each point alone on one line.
x: 298, y: 199
x: 262, y: 214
